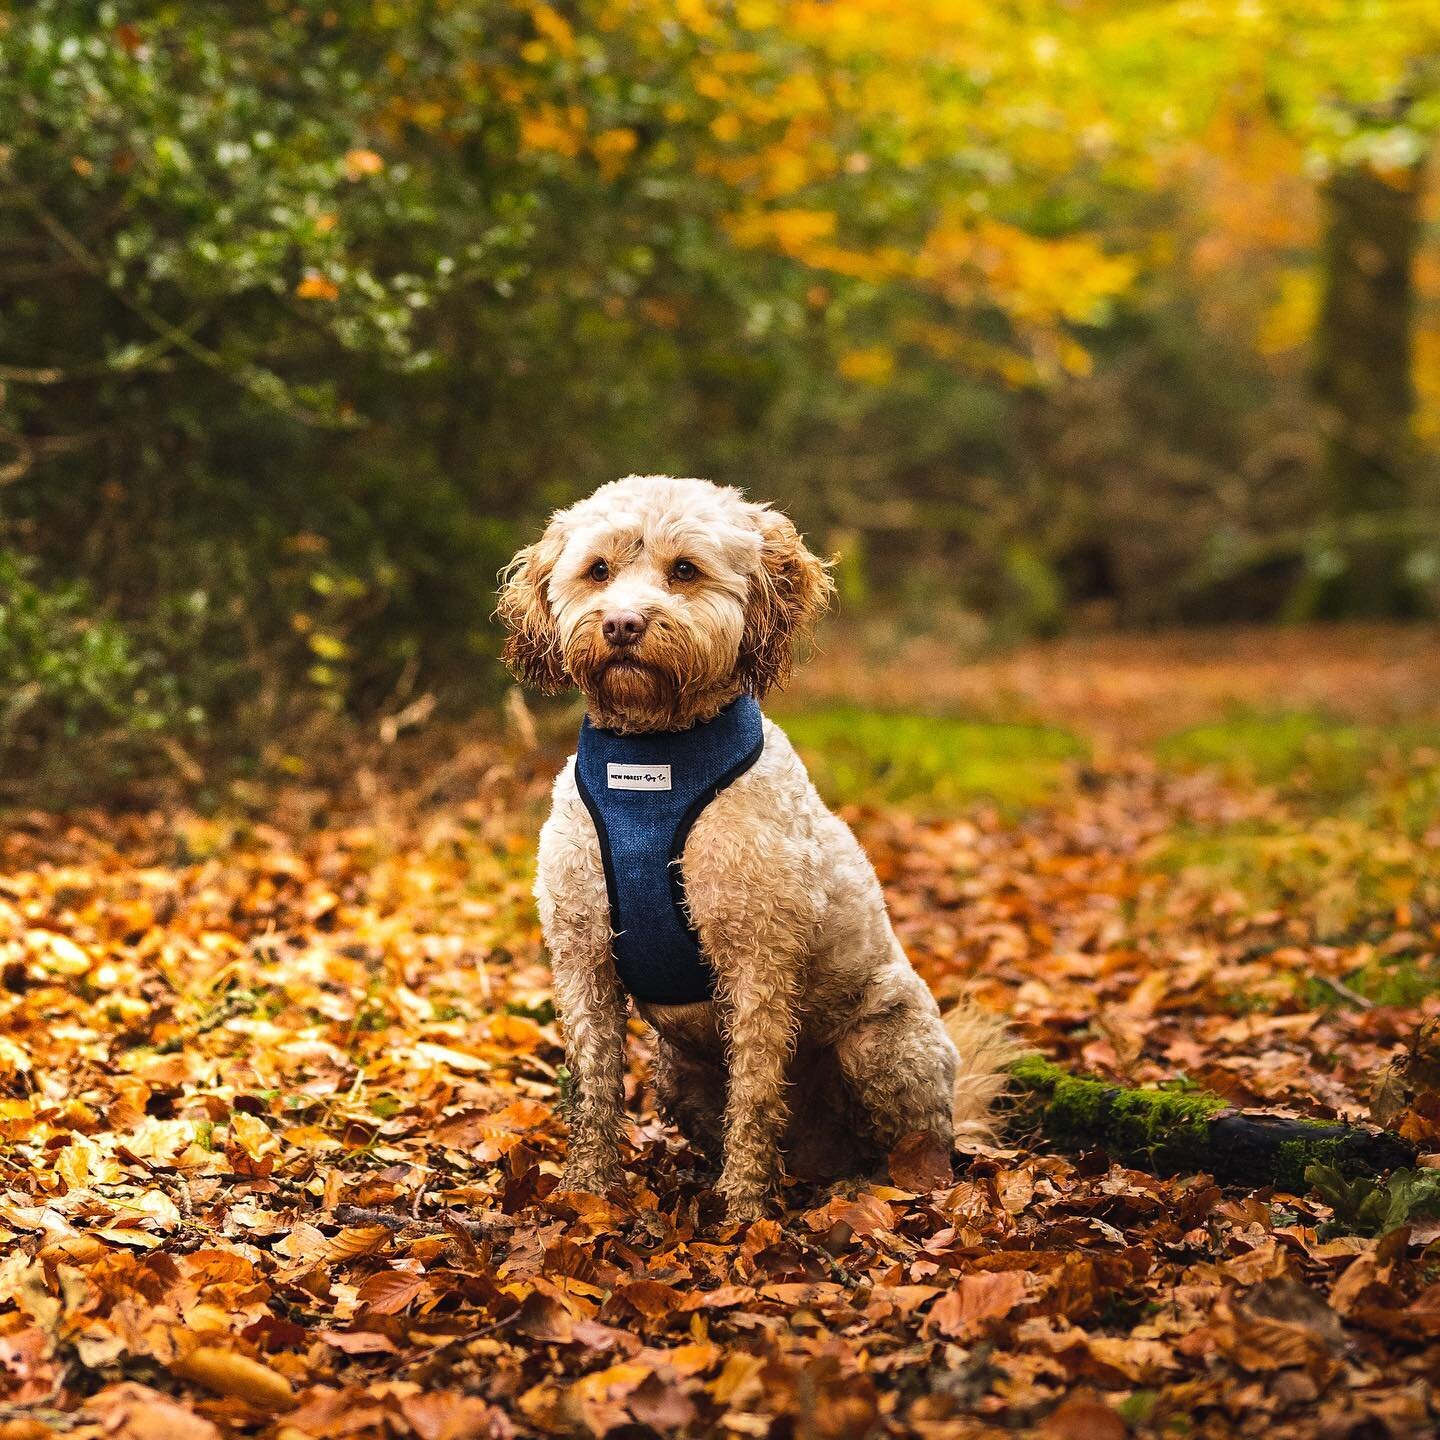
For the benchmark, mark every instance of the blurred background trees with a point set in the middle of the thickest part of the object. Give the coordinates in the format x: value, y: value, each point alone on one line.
x: 1042, y: 314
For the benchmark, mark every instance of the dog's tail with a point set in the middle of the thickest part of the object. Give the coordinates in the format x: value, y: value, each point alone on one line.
x: 986, y: 1047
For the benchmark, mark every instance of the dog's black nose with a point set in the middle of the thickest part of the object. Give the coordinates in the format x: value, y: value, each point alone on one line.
x: 623, y: 627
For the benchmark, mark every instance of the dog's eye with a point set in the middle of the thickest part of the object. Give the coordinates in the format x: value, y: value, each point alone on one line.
x: 684, y: 570
x: 599, y: 571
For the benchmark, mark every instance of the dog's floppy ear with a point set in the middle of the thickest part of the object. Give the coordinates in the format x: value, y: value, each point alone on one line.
x: 788, y: 593
x: 532, y: 648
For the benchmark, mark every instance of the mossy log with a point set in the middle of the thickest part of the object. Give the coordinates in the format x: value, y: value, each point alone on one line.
x: 1176, y: 1131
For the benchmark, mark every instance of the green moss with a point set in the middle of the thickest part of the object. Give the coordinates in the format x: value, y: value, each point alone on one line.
x: 1173, y: 1130
x: 929, y: 762
x: 1161, y: 1124
x: 1035, y: 1072
x: 1147, y: 1118
x: 1294, y: 1157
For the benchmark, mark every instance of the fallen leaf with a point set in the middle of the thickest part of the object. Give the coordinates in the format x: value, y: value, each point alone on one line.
x: 230, y: 1373
x: 388, y: 1292
x: 920, y: 1163
x: 963, y: 1313
x: 135, y: 1412
x: 1081, y: 1418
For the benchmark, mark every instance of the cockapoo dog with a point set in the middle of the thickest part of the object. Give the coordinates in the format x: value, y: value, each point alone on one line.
x: 688, y: 862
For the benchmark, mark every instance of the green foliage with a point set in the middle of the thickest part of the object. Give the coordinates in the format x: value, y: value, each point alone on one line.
x: 299, y: 322
x: 221, y: 143
x: 309, y: 312
x: 64, y: 669
x: 1369, y: 1206
x: 223, y: 255
x: 1038, y: 595
x: 929, y: 762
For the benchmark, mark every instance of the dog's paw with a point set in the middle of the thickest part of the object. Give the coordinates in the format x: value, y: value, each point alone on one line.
x: 742, y: 1210
x: 744, y: 1203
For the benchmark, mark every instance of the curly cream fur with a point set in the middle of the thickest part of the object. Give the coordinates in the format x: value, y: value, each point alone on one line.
x: 821, y: 1042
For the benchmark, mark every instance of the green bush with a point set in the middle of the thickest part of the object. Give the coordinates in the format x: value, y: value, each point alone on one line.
x: 303, y: 330
x: 64, y: 670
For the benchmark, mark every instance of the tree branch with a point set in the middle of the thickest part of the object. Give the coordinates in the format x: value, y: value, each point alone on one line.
x: 264, y: 385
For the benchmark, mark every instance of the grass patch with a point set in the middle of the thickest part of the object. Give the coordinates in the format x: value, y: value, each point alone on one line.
x: 1269, y: 866
x: 1402, y: 980
x: 1399, y: 980
x: 1350, y: 877
x: 929, y: 762
x: 1352, y: 841
x: 1334, y: 767
x: 1273, y: 749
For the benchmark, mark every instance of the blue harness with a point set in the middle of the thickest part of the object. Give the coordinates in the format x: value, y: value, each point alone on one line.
x: 644, y: 792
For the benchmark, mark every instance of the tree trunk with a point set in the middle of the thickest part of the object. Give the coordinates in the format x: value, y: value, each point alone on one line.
x: 1363, y: 380
x: 1178, y: 1131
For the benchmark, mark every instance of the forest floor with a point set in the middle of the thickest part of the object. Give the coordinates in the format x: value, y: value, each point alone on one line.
x: 279, y: 1084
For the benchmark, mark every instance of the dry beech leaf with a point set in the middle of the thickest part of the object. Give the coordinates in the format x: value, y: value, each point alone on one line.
x: 921, y: 1163
x: 650, y: 1298
x: 229, y: 1373
x: 391, y: 1291
x: 1083, y: 1418
x: 964, y: 1312
x: 358, y: 1342
x: 358, y: 1240
x: 135, y: 1412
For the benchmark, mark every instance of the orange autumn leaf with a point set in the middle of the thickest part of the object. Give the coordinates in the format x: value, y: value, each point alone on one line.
x: 391, y: 1291
x: 230, y: 1373
x: 317, y: 287
x: 976, y: 1300
x: 360, y: 163
x: 421, y: 1226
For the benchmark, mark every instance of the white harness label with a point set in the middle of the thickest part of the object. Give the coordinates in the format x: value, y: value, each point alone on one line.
x: 637, y: 777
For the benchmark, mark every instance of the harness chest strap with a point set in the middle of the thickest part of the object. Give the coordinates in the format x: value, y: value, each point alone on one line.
x: 644, y: 792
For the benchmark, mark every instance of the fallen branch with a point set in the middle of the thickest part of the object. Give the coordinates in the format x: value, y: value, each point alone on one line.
x: 1174, y: 1131
x: 473, y: 1225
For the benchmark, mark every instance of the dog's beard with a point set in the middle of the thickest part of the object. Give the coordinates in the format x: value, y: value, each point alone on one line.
x: 668, y: 681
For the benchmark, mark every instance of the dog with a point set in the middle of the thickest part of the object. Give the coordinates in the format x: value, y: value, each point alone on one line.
x: 689, y: 864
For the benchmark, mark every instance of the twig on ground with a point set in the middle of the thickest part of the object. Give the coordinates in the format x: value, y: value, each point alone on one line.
x: 478, y: 1225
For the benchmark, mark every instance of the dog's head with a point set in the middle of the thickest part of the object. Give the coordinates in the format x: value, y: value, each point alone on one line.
x: 662, y: 600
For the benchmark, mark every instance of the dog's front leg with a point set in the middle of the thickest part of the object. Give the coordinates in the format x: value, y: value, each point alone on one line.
x: 756, y: 996
x: 575, y: 916
x: 592, y: 1010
